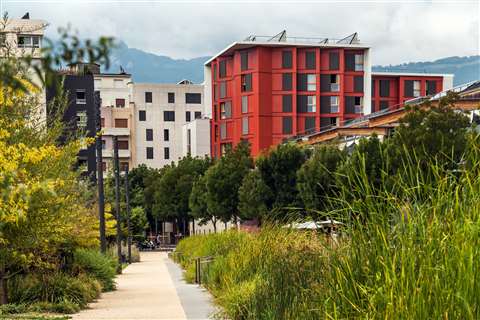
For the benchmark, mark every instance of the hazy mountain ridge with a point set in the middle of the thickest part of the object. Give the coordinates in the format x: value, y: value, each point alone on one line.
x: 149, y: 67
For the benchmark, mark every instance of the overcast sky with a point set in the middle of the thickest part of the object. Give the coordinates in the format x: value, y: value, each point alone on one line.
x: 398, y: 31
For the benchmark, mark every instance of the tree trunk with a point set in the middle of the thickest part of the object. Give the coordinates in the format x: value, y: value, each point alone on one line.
x: 3, y: 287
x: 214, y: 222
x: 225, y: 223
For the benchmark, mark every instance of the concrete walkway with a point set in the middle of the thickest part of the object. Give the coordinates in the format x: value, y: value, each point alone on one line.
x: 151, y: 289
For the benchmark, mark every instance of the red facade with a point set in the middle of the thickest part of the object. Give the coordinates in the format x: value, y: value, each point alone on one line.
x: 265, y: 94
x: 390, y: 91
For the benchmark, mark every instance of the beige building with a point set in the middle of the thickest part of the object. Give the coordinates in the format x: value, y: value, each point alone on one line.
x: 161, y: 112
x: 23, y: 38
x: 117, y: 118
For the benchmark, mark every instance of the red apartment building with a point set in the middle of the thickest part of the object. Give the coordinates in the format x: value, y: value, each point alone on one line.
x: 391, y: 90
x: 268, y: 89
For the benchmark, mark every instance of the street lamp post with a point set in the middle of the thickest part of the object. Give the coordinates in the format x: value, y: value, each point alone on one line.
x: 101, y: 194
x: 117, y: 203
x: 127, y: 205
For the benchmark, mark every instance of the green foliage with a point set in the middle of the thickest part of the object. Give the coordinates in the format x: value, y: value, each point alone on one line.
x: 253, y: 196
x: 54, y: 288
x: 278, y: 169
x: 316, y: 179
x: 223, y: 180
x: 101, y: 267
x: 197, y: 201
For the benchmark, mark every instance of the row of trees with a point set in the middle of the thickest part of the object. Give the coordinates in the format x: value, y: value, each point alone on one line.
x: 291, y: 181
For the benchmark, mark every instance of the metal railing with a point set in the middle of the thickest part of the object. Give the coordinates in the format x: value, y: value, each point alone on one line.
x: 201, y: 268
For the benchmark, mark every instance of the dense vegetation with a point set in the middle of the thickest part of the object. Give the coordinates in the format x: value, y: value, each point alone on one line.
x: 48, y: 219
x: 408, y: 246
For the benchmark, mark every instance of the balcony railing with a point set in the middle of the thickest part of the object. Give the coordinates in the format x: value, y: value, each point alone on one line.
x: 116, y: 131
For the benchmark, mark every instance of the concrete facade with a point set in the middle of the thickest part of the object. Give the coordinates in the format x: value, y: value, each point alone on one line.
x: 161, y: 112
x: 117, y: 118
x: 196, y: 138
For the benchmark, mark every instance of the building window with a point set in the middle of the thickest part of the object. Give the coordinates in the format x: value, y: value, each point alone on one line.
x: 333, y: 104
x: 102, y: 122
x: 334, y: 82
x: 309, y: 124
x: 384, y: 88
x: 416, y: 88
x: 310, y: 60
x: 359, y: 62
x: 198, y: 115
x: 81, y: 119
x: 431, y: 87
x: 358, y: 105
x: 246, y: 82
x: 224, y: 147
x: 166, y: 153
x: 225, y: 110
x: 244, y: 60
x: 287, y: 59
x: 358, y: 84
x: 120, y: 103
x: 81, y: 97
x: 244, y: 104
x: 287, y: 103
x: 166, y: 135
x: 3, y: 39
x: 189, y: 141
x: 123, y: 166
x: 168, y: 115
x: 286, y: 81
x: 223, y: 89
x: 104, y: 144
x: 223, y: 130
x: 24, y: 41
x: 122, y: 144
x: 223, y: 68
x: 311, y: 103
x: 311, y: 82
x: 187, y: 116
x: 171, y: 97
x: 149, y: 134
x: 333, y: 61
x: 245, y: 125
x: 148, y: 97
x: 193, y: 98
x: 149, y: 152
x: 104, y: 166
x: 142, y: 115
x: 121, y: 123
x: 215, y: 72
x: 287, y: 125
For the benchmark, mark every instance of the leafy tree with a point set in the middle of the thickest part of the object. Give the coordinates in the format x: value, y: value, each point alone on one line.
x: 253, y: 196
x: 316, y: 178
x: 198, y: 203
x: 223, y: 180
x: 278, y: 170
x: 173, y: 191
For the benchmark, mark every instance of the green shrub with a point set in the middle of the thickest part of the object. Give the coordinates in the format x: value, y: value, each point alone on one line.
x: 12, y: 308
x: 99, y: 266
x: 56, y: 288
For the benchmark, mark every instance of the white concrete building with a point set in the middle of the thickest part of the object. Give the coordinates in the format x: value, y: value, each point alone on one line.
x: 161, y: 113
x: 117, y: 117
x: 196, y: 138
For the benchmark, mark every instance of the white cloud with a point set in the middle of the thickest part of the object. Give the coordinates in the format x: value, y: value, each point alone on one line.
x: 397, y: 32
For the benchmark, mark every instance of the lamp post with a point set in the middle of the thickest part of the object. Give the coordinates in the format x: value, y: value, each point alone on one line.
x: 117, y: 203
x: 101, y: 193
x: 127, y: 205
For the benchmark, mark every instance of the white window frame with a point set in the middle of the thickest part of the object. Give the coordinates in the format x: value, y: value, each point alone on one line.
x: 359, y: 108
x: 31, y: 43
x: 82, y: 119
x: 80, y: 101
x: 245, y: 125
x: 335, y: 86
x: 311, y: 82
x: 416, y: 88
x: 359, y: 62
x: 311, y: 103
x: 244, y: 104
x: 334, y: 104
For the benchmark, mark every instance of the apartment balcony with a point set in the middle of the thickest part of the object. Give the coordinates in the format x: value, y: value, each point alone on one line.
x: 108, y: 153
x: 116, y: 131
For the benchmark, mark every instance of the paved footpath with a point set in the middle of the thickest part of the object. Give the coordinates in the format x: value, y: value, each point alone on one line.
x: 151, y: 289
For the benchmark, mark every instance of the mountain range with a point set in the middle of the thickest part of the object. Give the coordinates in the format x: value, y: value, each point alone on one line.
x: 149, y: 67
